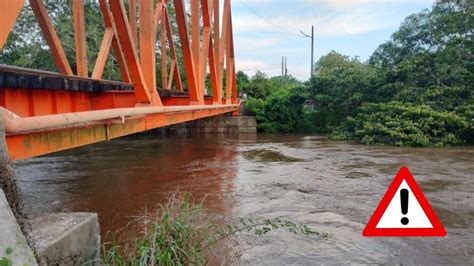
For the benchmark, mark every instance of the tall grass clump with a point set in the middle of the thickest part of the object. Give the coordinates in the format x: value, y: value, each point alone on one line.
x: 181, y: 234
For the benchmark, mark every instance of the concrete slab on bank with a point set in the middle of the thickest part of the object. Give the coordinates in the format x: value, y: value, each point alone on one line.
x: 67, y: 238
x: 13, y: 245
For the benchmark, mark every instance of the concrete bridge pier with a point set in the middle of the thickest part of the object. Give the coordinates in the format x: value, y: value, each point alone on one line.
x: 49, y: 239
x: 217, y: 124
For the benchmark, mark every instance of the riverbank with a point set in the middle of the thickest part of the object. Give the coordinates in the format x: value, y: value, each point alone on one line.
x: 332, y: 186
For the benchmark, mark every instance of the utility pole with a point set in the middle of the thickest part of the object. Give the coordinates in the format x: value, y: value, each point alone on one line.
x: 312, y: 49
x: 286, y: 69
x: 312, y: 52
x: 282, y: 65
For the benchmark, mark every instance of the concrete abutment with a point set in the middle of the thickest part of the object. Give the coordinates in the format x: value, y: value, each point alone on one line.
x: 217, y: 124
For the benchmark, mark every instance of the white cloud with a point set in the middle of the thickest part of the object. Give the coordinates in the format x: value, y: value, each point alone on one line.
x: 330, y: 24
x: 248, y: 23
x: 250, y: 67
x: 267, y: 29
x: 351, y: 4
x: 249, y: 64
x: 251, y: 43
x: 353, y: 23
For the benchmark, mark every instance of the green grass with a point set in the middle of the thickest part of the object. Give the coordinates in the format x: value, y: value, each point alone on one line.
x: 181, y: 234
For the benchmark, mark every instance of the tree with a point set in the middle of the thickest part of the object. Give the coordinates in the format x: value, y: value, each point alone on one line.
x: 415, y: 90
x: 339, y: 86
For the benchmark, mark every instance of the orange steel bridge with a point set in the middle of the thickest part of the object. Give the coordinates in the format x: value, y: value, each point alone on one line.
x: 45, y: 112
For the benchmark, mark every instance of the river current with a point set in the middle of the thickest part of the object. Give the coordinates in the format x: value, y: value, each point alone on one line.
x: 333, y: 187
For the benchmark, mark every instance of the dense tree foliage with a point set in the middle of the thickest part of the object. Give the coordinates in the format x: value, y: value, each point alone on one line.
x: 278, y: 103
x: 399, y: 124
x: 416, y: 89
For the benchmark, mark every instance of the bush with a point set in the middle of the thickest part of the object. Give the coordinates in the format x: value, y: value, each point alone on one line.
x: 182, y: 234
x: 403, y: 124
x: 283, y: 111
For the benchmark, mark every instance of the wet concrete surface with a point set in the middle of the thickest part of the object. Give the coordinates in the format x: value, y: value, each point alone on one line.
x: 331, y: 186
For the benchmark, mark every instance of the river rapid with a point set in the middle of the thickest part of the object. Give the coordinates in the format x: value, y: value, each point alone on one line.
x: 333, y: 187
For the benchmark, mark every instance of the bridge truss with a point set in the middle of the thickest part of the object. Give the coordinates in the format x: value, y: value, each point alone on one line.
x: 45, y: 112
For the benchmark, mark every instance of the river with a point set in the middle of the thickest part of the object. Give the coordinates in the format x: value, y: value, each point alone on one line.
x: 333, y: 187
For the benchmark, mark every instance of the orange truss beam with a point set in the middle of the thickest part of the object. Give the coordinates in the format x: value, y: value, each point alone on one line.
x: 80, y: 38
x: 10, y: 12
x: 115, y: 44
x: 51, y: 37
x: 187, y: 52
x: 174, y: 72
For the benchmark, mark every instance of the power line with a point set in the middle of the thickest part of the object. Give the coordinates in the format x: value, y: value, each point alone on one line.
x: 298, y: 74
x: 283, y: 29
x: 304, y: 56
x: 258, y: 69
x: 304, y: 34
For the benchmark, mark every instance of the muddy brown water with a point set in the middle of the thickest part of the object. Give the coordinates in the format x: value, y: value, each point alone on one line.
x: 333, y: 187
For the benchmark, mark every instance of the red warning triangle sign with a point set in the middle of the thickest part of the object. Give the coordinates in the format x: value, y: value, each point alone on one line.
x: 404, y: 211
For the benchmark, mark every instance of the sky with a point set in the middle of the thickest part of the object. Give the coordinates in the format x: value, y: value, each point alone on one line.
x: 266, y: 30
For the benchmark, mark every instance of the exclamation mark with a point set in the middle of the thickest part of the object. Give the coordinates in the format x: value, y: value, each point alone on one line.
x: 404, y: 202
